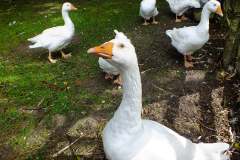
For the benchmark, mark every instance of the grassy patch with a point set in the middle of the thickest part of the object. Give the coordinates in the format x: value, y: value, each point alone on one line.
x: 26, y: 78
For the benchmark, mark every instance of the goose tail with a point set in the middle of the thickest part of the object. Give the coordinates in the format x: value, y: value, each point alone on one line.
x: 217, y: 150
x: 36, y: 45
x: 36, y: 40
x: 30, y: 39
x: 33, y: 39
x: 169, y: 33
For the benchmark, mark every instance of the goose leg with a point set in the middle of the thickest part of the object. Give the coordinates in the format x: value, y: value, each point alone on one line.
x: 108, y: 76
x: 66, y: 56
x: 178, y: 19
x: 189, y: 58
x: 184, y: 18
x: 145, y: 22
x: 118, y: 81
x: 154, y: 21
x: 186, y: 63
x: 50, y: 58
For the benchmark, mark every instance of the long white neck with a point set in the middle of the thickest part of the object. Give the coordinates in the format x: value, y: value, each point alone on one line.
x: 127, y: 118
x: 204, y: 23
x: 67, y: 20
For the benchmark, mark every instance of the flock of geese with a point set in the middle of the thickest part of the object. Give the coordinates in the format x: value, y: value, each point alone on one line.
x: 127, y: 136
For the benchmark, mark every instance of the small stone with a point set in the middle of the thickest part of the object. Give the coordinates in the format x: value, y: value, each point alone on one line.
x: 37, y: 138
x: 83, y: 126
x: 83, y: 112
x: 210, y: 60
x: 58, y: 120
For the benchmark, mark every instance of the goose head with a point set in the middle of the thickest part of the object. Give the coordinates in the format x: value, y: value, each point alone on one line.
x: 119, y: 51
x: 68, y: 7
x: 215, y: 7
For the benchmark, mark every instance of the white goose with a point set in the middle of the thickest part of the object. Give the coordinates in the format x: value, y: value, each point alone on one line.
x: 56, y: 38
x: 107, y: 67
x: 127, y: 136
x: 179, y: 7
x: 148, y: 10
x: 189, y: 39
x: 110, y: 71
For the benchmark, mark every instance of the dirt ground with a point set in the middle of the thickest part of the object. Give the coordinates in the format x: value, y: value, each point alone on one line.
x: 196, y: 102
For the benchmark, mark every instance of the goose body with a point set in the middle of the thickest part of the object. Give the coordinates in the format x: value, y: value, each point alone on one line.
x: 127, y: 136
x: 189, y: 39
x: 179, y: 7
x: 56, y: 38
x: 53, y: 39
x: 111, y: 72
x: 148, y: 10
x: 157, y: 142
x: 108, y: 67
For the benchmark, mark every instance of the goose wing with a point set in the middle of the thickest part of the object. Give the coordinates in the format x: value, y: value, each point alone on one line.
x: 107, y: 67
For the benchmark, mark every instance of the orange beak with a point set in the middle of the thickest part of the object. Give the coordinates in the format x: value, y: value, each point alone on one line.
x: 73, y: 8
x: 104, y: 50
x: 219, y: 11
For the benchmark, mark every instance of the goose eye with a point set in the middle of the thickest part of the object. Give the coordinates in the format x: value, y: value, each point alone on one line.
x: 214, y: 5
x: 121, y: 46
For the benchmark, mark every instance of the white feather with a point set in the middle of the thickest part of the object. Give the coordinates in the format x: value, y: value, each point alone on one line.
x: 148, y: 9
x: 107, y: 67
x: 180, y: 6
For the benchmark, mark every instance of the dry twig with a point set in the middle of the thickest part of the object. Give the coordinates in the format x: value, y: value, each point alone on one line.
x: 65, y: 148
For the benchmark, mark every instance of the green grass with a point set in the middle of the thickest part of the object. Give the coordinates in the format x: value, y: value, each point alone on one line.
x: 26, y: 77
